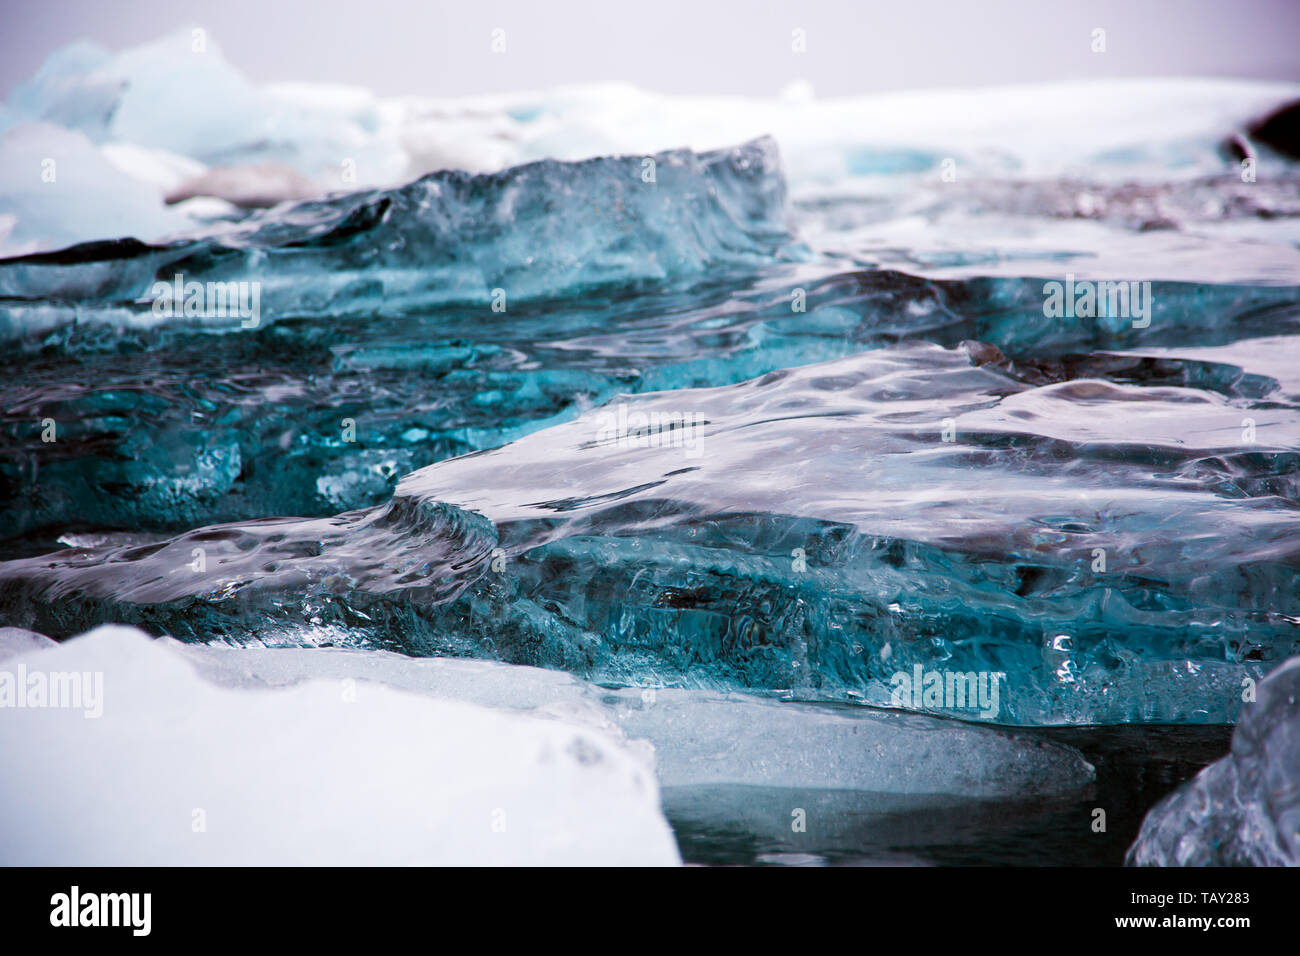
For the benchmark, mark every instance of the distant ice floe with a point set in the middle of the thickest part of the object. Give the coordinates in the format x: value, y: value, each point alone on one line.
x: 137, y: 108
x: 539, y: 231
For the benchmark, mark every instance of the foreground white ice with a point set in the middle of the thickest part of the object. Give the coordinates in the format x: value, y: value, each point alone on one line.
x: 178, y: 770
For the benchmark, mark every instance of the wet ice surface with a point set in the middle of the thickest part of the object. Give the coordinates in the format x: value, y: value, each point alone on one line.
x: 1095, y: 531
x: 759, y: 429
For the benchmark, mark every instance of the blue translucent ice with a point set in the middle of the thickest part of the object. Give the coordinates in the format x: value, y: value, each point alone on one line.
x: 684, y: 451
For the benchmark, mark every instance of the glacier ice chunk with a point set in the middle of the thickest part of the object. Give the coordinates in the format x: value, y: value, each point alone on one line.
x: 530, y: 233
x: 146, y: 96
x: 60, y: 188
x: 1242, y: 810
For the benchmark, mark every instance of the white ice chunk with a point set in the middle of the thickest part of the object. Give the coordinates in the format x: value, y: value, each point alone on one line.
x: 178, y: 770
x: 159, y: 168
x: 180, y: 95
x: 60, y: 189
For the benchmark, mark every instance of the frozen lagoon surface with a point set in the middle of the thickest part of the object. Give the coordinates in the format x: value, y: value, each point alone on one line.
x: 717, y: 427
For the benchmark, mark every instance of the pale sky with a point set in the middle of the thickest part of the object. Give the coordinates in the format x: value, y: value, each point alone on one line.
x: 441, y: 48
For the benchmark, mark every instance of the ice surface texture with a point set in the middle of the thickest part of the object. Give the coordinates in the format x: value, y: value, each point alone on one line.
x: 810, y: 531
x: 1243, y: 810
x: 156, y: 433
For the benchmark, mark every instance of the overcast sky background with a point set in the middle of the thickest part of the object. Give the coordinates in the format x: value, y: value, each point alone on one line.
x: 683, y: 46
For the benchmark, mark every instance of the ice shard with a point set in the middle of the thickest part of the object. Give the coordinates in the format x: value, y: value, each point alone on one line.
x: 1243, y: 810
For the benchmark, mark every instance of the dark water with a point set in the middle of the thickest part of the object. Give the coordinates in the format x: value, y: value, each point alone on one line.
x: 1136, y: 766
